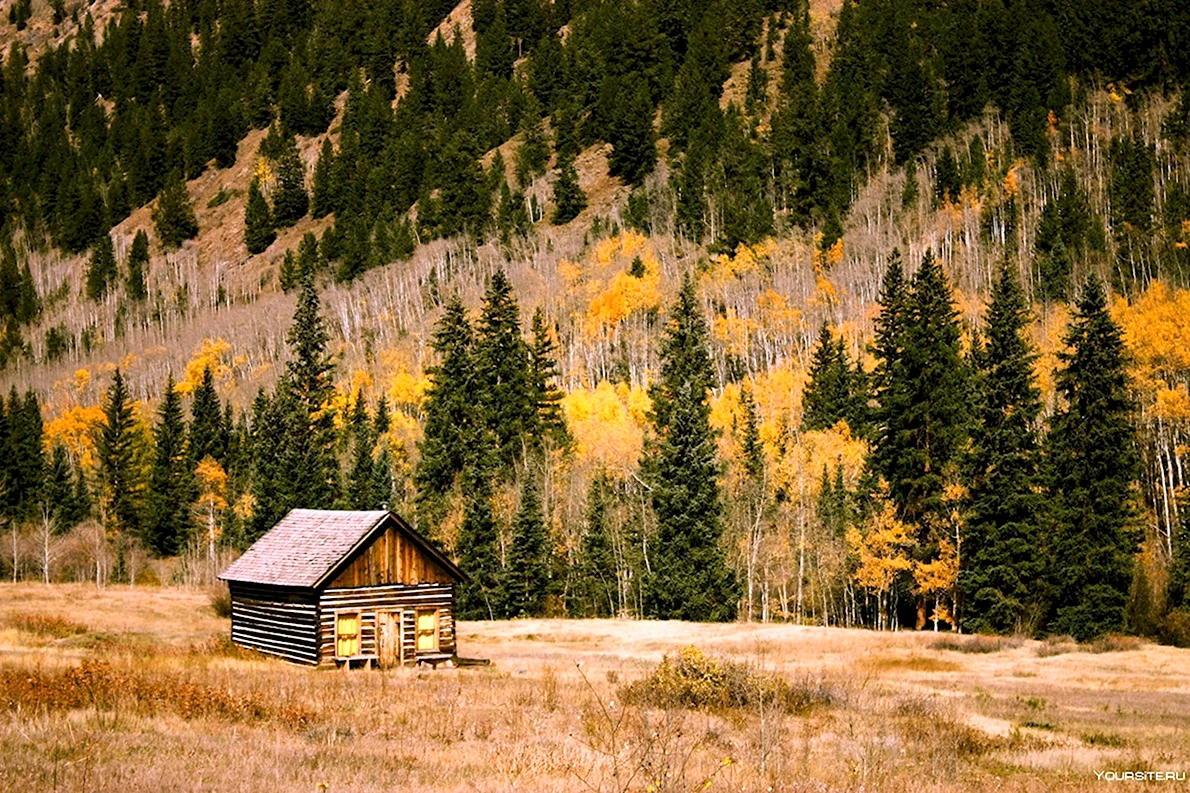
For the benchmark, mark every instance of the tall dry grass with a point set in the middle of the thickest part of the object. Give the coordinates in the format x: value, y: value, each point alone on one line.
x: 136, y: 689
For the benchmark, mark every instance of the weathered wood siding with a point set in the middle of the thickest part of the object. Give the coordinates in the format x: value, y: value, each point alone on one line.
x: 368, y: 600
x: 389, y: 558
x: 275, y: 620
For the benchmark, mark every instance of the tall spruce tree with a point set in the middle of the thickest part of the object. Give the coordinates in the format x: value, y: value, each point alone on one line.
x: 116, y: 454
x: 569, y: 198
x: 101, y: 271
x: 138, y: 262
x: 596, y: 587
x: 480, y: 597
x: 888, y: 346
x: 933, y: 425
x: 827, y: 398
x: 548, y: 424
x: 360, y: 491
x: 170, y: 478
x: 503, y: 379
x: 1092, y: 465
x: 690, y: 578
x: 208, y: 433
x: 450, y: 410
x: 174, y: 214
x: 526, y: 577
x: 1001, y: 564
x: 290, y: 201
x: 258, y: 221
x: 309, y: 378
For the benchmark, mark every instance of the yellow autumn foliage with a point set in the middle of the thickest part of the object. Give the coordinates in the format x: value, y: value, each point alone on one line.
x: 74, y: 429
x: 211, y: 352
x: 607, y: 423
x: 881, y: 549
x: 1156, y: 328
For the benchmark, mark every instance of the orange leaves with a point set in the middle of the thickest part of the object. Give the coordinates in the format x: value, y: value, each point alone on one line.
x: 75, y: 429
x: 938, y: 575
x: 621, y: 278
x: 607, y: 423
x: 214, y: 353
x: 1157, y: 331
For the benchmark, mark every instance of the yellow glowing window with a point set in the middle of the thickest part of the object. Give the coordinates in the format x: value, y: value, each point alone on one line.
x: 347, y: 634
x: 427, y: 630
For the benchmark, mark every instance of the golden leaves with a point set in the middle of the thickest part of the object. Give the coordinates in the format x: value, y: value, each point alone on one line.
x: 211, y: 352
x: 607, y: 423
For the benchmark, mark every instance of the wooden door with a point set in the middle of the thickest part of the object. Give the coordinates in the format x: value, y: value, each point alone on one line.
x: 388, y: 638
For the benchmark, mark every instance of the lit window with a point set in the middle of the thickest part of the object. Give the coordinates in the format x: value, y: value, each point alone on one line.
x: 427, y: 630
x: 347, y: 634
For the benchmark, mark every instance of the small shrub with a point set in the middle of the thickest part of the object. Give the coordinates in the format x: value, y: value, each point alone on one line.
x: 146, y: 576
x: 1175, y: 628
x: 49, y: 626
x: 1114, y: 643
x: 220, y: 600
x: 222, y: 197
x: 1104, y: 739
x: 978, y: 643
x: 1057, y: 645
x: 698, y: 681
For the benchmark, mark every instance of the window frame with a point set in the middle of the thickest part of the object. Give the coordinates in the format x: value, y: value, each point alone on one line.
x: 437, y: 631
x: 357, y: 636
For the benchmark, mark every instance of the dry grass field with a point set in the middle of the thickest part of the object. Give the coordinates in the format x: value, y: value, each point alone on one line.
x: 138, y: 690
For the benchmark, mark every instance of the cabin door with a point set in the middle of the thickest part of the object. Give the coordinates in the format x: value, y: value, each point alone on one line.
x: 388, y: 638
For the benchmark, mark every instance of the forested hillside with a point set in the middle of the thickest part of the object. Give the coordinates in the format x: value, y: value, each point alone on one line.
x: 864, y: 313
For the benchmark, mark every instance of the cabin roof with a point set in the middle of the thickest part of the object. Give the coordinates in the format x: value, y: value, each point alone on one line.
x: 309, y: 544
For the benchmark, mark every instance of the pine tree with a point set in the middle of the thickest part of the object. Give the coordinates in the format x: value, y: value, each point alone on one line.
x: 596, y: 589
x: 533, y: 155
x: 208, y: 435
x: 170, y: 479
x: 548, y: 423
x: 174, y: 214
x: 503, y: 385
x: 690, y: 578
x: 634, y: 150
x: 24, y: 461
x: 361, y: 479
x: 888, y: 347
x: 116, y: 455
x: 258, y: 221
x: 309, y: 379
x: 1092, y: 464
x: 526, y: 576
x: 102, y: 269
x: 60, y: 490
x: 569, y: 198
x: 934, y: 422
x: 827, y: 399
x: 138, y: 261
x: 1001, y: 564
x: 450, y: 411
x: 290, y: 202
x: 323, y: 198
x: 480, y: 597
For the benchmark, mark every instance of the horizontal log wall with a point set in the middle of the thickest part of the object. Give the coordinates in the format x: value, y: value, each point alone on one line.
x: 275, y: 620
x: 368, y: 600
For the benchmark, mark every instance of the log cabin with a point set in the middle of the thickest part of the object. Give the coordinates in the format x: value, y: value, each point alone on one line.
x: 332, y: 587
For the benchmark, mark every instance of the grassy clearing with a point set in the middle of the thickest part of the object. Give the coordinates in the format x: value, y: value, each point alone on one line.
x: 140, y: 689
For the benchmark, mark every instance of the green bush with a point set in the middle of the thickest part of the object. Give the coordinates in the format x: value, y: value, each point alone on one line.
x: 1175, y: 628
